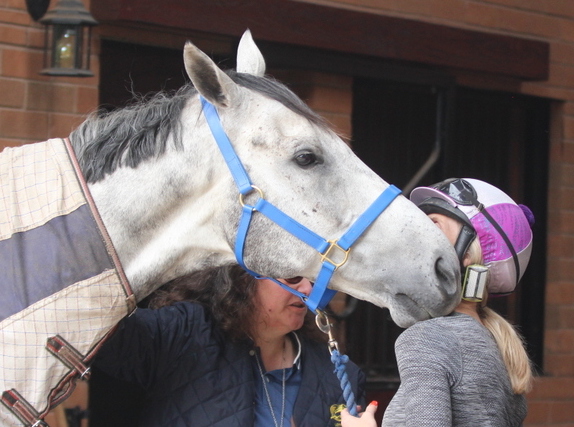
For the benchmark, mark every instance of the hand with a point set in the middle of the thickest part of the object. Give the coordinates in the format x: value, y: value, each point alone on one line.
x: 365, y: 419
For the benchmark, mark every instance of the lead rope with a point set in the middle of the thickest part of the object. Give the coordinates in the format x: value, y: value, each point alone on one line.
x: 338, y: 359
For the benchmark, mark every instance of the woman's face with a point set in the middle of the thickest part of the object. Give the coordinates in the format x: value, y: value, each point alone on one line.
x: 450, y: 227
x: 280, y: 311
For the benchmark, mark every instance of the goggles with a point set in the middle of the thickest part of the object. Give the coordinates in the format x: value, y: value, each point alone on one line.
x: 459, y: 190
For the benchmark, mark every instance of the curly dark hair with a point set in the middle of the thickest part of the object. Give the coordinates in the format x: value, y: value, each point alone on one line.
x: 228, y: 293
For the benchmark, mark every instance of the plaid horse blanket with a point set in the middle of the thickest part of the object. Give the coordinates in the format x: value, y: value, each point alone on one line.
x: 63, y: 289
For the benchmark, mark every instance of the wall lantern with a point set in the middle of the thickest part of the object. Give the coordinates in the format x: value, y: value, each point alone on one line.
x: 67, y: 39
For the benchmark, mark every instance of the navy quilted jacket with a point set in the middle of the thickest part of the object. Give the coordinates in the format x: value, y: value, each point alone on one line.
x: 194, y: 377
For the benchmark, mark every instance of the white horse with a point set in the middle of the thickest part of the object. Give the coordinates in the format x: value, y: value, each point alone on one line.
x: 170, y: 204
x: 178, y: 211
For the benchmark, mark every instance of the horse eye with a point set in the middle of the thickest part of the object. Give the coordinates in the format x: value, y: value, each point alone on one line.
x: 306, y: 159
x: 294, y: 280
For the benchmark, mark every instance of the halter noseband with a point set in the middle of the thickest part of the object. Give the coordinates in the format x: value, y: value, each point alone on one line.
x: 320, y: 295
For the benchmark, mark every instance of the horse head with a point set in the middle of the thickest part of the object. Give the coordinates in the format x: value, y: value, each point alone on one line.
x: 178, y: 209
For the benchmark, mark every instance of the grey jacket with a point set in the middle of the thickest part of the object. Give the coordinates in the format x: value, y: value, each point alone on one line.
x: 452, y: 374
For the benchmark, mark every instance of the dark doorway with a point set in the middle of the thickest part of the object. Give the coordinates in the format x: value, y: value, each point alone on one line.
x: 131, y: 71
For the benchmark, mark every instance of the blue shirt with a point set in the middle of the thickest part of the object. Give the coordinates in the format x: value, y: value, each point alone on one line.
x: 274, y: 382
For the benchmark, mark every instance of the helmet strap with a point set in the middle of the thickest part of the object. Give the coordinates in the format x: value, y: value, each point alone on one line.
x: 465, y: 238
x: 474, y: 282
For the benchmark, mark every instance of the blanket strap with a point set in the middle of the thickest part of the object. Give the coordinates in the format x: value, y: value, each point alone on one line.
x: 20, y: 407
x: 68, y: 355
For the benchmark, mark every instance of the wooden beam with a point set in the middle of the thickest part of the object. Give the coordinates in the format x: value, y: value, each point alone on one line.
x: 340, y: 30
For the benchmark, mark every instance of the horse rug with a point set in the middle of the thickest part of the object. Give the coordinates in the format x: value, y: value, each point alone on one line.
x: 63, y: 288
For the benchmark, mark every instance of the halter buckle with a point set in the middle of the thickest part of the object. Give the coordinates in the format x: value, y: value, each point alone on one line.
x: 253, y: 188
x: 327, y: 255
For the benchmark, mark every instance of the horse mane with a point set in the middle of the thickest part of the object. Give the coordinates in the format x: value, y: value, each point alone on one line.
x: 127, y: 136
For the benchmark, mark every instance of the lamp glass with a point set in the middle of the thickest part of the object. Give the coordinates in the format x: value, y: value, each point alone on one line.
x: 68, y: 50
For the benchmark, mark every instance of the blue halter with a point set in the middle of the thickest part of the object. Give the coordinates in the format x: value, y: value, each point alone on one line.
x: 320, y: 295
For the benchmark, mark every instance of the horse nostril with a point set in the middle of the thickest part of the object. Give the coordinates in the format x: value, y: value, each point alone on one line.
x: 446, y: 276
x: 442, y: 277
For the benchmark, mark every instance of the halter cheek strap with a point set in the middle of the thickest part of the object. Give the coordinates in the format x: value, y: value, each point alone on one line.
x: 320, y: 295
x: 333, y: 253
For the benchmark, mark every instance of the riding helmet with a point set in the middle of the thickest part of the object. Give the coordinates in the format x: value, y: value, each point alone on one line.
x: 503, y: 227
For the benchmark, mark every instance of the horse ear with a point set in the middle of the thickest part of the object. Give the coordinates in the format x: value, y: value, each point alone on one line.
x: 212, y: 83
x: 249, y: 57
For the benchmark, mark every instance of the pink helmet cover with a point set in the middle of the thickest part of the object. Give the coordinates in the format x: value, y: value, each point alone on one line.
x: 515, y: 220
x: 496, y: 254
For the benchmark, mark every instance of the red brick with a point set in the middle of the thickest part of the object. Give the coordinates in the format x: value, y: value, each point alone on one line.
x: 566, y: 318
x: 52, y: 97
x: 15, y: 16
x: 562, y: 53
x: 569, y: 120
x: 560, y: 245
x: 559, y: 341
x: 560, y: 269
x: 560, y: 293
x: 566, y: 175
x: 36, y: 37
x: 561, y: 412
x: 552, y: 317
x: 22, y: 63
x: 13, y: 4
x: 565, y: 198
x: 61, y: 125
x: 11, y: 34
x: 7, y: 142
x: 566, y: 29
x: 552, y: 388
x: 88, y: 99
x: 566, y: 221
x: 13, y: 93
x: 559, y: 365
x: 538, y: 413
x: 23, y: 124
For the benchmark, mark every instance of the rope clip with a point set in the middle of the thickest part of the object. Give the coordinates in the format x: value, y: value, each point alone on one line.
x: 323, y: 323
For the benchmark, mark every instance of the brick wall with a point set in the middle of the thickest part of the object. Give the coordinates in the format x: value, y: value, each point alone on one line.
x: 35, y: 107
x: 552, y: 400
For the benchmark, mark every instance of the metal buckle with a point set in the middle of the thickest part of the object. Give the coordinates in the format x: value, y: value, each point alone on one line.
x: 326, y: 256
x: 253, y: 188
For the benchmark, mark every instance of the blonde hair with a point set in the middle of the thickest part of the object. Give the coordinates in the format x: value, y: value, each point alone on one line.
x: 507, y: 338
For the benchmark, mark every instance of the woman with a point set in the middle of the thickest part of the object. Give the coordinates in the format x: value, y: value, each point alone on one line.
x: 219, y: 348
x: 469, y: 368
